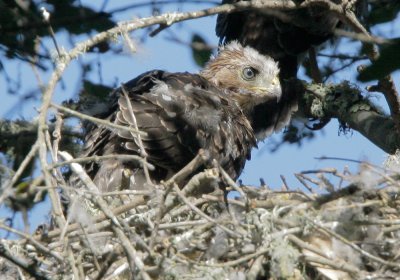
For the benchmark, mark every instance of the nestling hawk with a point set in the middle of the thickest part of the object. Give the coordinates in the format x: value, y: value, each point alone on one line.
x: 182, y: 113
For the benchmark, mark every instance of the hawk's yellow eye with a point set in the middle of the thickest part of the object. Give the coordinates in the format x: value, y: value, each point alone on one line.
x: 249, y: 73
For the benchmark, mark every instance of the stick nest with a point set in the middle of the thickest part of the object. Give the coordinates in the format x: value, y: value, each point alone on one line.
x: 350, y: 229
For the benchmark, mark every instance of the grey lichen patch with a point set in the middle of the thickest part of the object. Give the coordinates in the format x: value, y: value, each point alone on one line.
x: 333, y: 100
x: 284, y: 258
x: 317, y: 108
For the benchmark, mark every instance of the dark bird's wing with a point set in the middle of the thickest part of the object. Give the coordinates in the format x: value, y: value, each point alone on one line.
x: 282, y: 40
x: 180, y: 113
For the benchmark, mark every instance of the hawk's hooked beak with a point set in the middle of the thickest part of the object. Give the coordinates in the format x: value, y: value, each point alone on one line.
x: 273, y: 90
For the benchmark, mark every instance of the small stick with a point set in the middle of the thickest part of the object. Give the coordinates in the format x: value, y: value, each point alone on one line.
x: 143, y: 152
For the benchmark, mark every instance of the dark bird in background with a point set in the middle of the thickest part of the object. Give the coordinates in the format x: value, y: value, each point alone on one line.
x: 285, y: 36
x: 182, y: 113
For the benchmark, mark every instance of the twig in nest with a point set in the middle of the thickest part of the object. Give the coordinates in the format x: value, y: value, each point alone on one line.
x: 200, y: 213
x: 191, y: 167
x: 95, y: 120
x: 350, y: 160
x: 112, y: 257
x: 303, y: 182
x: 100, y: 158
x: 8, y: 186
x: 40, y: 247
x: 182, y: 209
x: 232, y: 184
x: 182, y: 224
x: 133, y: 260
x: 177, y: 178
x: 325, y: 183
x: 30, y: 268
x: 352, y: 245
x: 160, y: 213
x: 285, y: 186
x: 349, y: 190
x: 261, y: 251
x: 72, y: 262
x: 199, y: 181
x: 324, y: 258
x: 256, y: 267
x: 333, y: 265
x: 102, y: 218
x: 213, y: 198
x: 129, y: 250
x: 143, y: 152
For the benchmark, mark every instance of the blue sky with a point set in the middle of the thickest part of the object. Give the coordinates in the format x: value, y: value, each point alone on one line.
x: 160, y: 53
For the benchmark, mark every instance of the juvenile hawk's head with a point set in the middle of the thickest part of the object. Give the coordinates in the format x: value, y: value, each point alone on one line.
x: 251, y: 77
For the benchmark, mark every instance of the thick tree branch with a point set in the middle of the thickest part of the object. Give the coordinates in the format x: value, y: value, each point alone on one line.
x: 345, y: 103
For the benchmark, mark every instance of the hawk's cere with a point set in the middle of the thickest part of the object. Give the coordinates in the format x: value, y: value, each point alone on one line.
x: 183, y: 112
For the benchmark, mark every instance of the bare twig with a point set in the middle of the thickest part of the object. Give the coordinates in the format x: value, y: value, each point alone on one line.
x: 46, y: 19
x: 360, y: 37
x: 32, y: 270
x: 102, y: 219
x: 133, y: 260
x: 95, y: 120
x: 333, y: 265
x: 352, y: 245
x: 232, y: 184
x: 143, y: 152
x: 100, y: 158
x: 201, y: 180
x: 29, y: 157
x: 192, y: 166
x: 261, y: 251
x: 40, y: 247
x: 285, y: 186
x: 92, y: 187
x: 198, y: 211
x: 388, y: 88
x: 303, y: 182
x: 72, y: 263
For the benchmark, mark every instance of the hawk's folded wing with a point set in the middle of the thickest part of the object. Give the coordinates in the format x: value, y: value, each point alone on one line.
x: 180, y: 113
